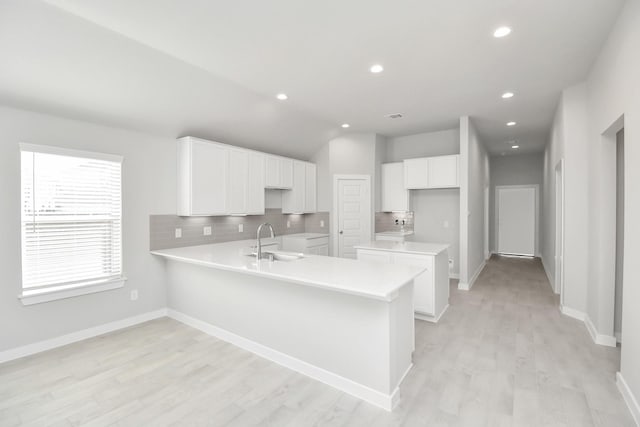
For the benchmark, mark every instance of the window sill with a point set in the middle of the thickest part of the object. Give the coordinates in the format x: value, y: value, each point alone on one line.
x: 37, y: 297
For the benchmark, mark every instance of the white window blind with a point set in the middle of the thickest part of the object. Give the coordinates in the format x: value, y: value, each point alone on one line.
x: 71, y: 218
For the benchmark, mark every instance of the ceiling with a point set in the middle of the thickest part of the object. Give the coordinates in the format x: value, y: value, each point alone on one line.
x: 212, y: 68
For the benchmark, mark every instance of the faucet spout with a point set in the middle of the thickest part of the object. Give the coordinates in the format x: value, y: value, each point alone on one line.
x: 258, y: 238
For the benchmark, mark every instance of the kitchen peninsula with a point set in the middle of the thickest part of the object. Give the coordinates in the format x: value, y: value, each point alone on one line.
x: 344, y: 322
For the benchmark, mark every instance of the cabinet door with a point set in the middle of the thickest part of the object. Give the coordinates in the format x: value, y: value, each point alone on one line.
x: 310, y: 188
x: 255, y: 187
x: 416, y: 173
x: 293, y: 200
x: 237, y: 187
x: 272, y: 172
x: 208, y: 175
x: 373, y: 256
x: 443, y: 171
x: 312, y: 251
x: 323, y: 250
x: 423, y: 292
x: 395, y: 197
x: 287, y: 179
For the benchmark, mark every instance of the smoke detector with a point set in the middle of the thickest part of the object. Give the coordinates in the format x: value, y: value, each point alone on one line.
x: 395, y: 116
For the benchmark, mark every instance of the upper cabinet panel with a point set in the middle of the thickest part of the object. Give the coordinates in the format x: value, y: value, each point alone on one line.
x: 395, y: 196
x: 416, y: 173
x: 443, y: 171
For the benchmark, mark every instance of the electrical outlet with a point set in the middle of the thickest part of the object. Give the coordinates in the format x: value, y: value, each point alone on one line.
x: 450, y: 264
x: 206, y: 230
x: 321, y: 224
x: 178, y: 233
x: 134, y: 294
x: 288, y: 224
x: 397, y: 222
x: 240, y: 228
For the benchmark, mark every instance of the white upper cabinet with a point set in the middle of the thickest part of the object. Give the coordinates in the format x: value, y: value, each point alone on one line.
x: 443, y: 171
x: 432, y: 172
x: 416, y: 173
x: 238, y: 183
x: 395, y: 196
x: 279, y: 172
x: 255, y: 188
x: 310, y: 192
x: 302, y: 197
x: 202, y: 178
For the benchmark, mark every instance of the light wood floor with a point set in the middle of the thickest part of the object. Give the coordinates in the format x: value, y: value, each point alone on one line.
x: 502, y: 355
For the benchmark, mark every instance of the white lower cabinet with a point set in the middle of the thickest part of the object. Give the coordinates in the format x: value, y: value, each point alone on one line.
x: 307, y: 243
x: 430, y: 289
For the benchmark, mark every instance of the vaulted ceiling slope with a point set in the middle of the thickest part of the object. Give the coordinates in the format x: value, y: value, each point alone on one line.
x: 212, y: 68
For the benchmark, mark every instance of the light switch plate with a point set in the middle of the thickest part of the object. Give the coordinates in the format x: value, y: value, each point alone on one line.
x: 206, y: 230
x: 240, y: 228
x: 321, y: 223
x: 288, y: 224
x: 134, y: 294
x: 446, y: 224
x: 178, y: 233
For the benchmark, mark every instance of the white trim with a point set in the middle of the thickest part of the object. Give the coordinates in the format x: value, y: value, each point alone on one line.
x: 454, y: 276
x: 601, y: 339
x: 29, y: 349
x: 549, y: 278
x: 56, y: 293
x: 430, y: 318
x: 618, y: 336
x: 377, y: 398
x: 629, y: 398
x: 558, y: 283
x: 570, y: 312
x: 49, y: 149
x: 333, y: 220
x: 467, y: 286
x: 536, y: 244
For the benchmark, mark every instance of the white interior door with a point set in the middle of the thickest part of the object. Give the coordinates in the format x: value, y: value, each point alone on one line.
x: 353, y: 214
x: 517, y: 220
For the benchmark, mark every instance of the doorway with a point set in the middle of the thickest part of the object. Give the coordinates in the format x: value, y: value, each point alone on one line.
x: 352, y: 212
x: 517, y: 219
x: 617, y: 324
x: 559, y: 238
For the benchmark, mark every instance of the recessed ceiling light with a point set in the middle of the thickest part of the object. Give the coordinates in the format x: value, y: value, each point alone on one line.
x: 501, y: 32
x: 345, y: 125
x: 511, y: 123
x: 507, y: 95
x: 282, y: 96
x: 515, y: 146
x: 377, y: 68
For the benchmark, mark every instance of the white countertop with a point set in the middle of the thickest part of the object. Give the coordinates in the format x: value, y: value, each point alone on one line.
x: 371, y: 280
x: 395, y: 233
x: 304, y: 236
x: 404, y: 247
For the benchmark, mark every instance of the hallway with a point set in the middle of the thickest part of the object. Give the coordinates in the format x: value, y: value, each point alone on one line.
x: 502, y: 355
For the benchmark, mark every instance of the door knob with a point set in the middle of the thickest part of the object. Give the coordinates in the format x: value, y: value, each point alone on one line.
x: 341, y: 232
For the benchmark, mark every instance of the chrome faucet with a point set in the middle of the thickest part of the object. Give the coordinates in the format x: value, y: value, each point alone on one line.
x: 259, y: 244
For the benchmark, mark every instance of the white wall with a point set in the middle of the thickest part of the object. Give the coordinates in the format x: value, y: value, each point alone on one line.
x: 474, y: 177
x: 423, y: 145
x: 584, y: 134
x: 149, y: 187
x: 524, y: 169
x: 613, y: 92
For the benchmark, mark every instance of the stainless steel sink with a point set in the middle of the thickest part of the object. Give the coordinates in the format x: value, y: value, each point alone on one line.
x: 280, y: 255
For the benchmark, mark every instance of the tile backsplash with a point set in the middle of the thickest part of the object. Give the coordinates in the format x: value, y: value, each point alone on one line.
x: 386, y: 221
x: 162, y: 228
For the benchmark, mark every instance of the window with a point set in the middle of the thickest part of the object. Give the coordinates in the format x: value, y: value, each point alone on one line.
x: 71, y: 223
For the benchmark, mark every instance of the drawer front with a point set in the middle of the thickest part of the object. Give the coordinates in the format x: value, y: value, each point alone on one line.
x: 318, y: 241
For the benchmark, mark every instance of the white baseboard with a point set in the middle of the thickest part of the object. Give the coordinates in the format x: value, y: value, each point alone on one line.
x: 377, y: 398
x: 467, y: 286
x: 549, y: 277
x: 578, y: 315
x: 29, y: 349
x: 429, y: 318
x: 600, y: 339
x: 629, y: 398
x: 606, y: 340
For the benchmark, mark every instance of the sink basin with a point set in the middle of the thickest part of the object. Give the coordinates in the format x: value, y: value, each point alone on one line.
x: 281, y: 255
